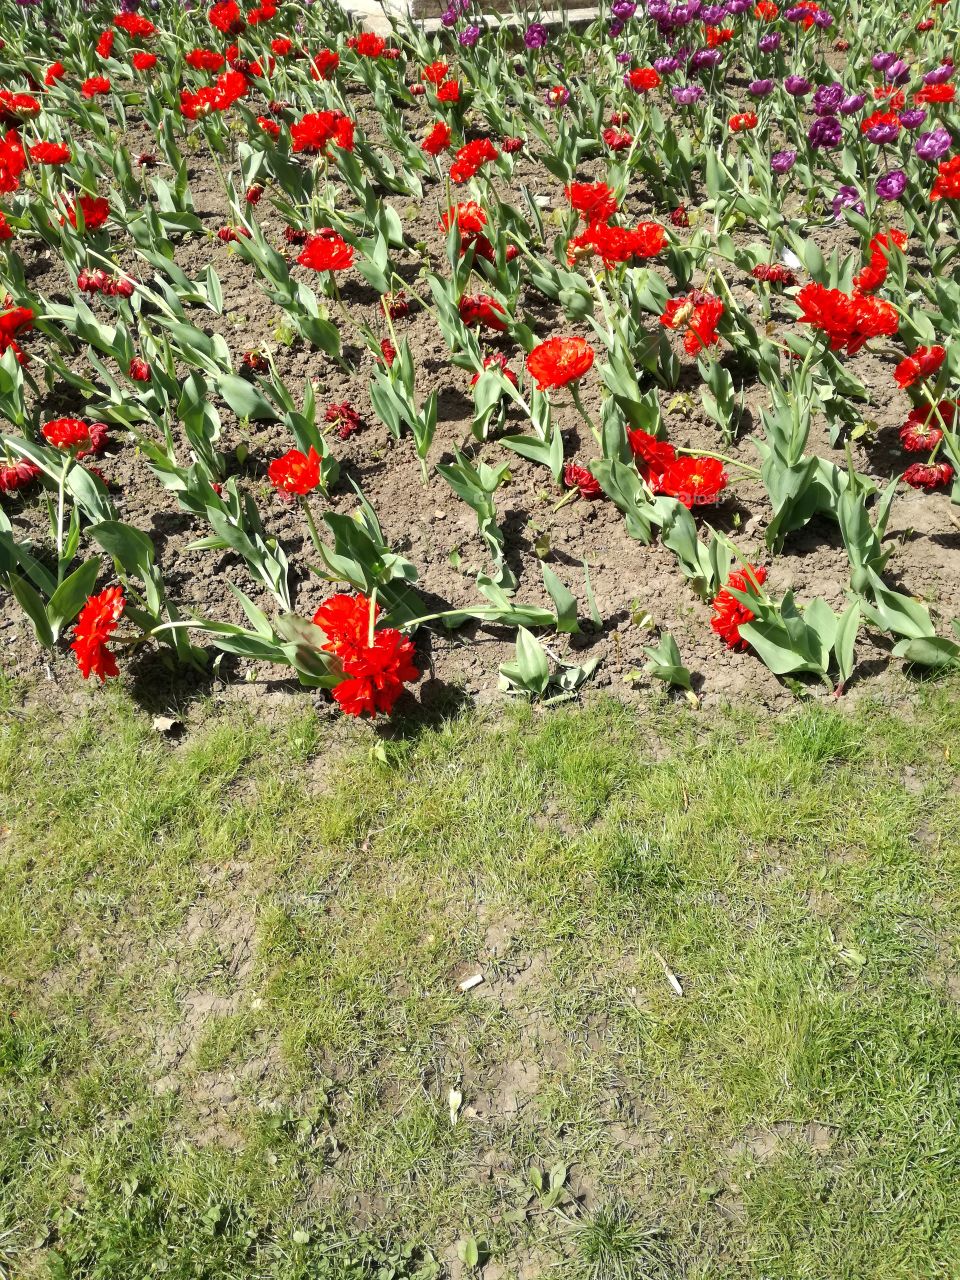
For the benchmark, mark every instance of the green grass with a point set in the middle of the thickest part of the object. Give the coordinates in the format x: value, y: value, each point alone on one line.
x: 234, y: 1037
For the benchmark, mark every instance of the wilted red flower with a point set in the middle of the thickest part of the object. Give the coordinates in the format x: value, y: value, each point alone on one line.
x: 326, y: 250
x: 693, y: 481
x: 924, y: 363
x: 729, y: 614
x: 496, y: 360
x: 437, y: 140
x: 617, y: 139
x: 95, y: 626
x: 697, y: 316
x: 17, y: 475
x: 920, y: 437
x: 388, y: 352
x: 395, y: 305
x: 594, y: 201
x: 774, y: 273
x: 253, y: 193
x: 231, y: 235
x: 470, y: 158
x: 559, y: 361
x: 343, y: 418
x: 376, y: 666
x: 947, y: 184
x: 743, y: 122
x: 481, y: 309
x: 255, y: 362
x: 510, y: 145
x: 50, y: 153
x: 12, y: 162
x: 652, y: 456
x: 679, y: 217
x: 849, y: 321
x: 928, y: 476
x: 296, y: 472
x: 576, y: 477
x: 227, y: 18
x: 12, y: 324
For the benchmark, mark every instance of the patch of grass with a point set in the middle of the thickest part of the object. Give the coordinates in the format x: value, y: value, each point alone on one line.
x: 236, y: 1041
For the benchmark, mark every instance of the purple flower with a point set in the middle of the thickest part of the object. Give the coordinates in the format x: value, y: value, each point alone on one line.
x: 783, y: 161
x: 760, y: 88
x: 825, y: 133
x: 847, y: 198
x: 623, y: 9
x: 624, y: 58
x: 931, y: 146
x: 535, y: 36
x: 939, y: 75
x: 666, y: 66
x: 897, y: 73
x: 557, y: 96
x: 615, y: 28
x: 449, y: 17
x: 823, y: 20
x: 713, y: 14
x: 706, y: 58
x: 913, y: 117
x: 796, y: 14
x: 469, y: 36
x: 827, y: 99
x: 797, y: 86
x: 883, y: 60
x: 892, y: 185
x: 769, y: 43
x: 735, y: 7
x: 852, y: 103
x: 881, y: 134
x: 686, y: 95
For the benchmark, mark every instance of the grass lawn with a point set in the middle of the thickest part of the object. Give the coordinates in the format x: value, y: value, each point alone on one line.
x: 717, y: 1033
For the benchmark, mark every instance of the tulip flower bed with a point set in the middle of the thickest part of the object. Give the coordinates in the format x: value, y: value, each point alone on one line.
x: 628, y: 356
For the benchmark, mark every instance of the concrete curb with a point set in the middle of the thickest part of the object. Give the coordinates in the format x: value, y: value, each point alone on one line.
x: 370, y: 16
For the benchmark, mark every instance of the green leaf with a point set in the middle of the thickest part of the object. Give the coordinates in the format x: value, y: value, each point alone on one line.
x: 71, y: 595
x: 131, y: 547
x: 32, y: 604
x: 244, y: 399
x: 564, y: 600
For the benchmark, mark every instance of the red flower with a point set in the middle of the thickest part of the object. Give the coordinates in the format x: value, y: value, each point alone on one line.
x: 104, y: 46
x: 765, y: 11
x: 77, y: 435
x: 774, y: 273
x: 388, y: 352
x: 435, y: 72
x: 56, y: 71
x: 144, y: 61
x: 12, y: 163
x: 12, y: 323
x: 848, y: 321
x: 315, y: 130
x: 594, y: 201
x: 496, y: 360
x: 95, y: 211
x: 920, y: 437
x: 643, y: 79
x: 743, y: 122
x: 95, y: 626
x: 326, y: 251
x: 205, y: 60
x: 679, y: 217
x: 510, y: 145
x: 227, y: 18
x: 928, y: 475
x: 295, y: 472
x: 6, y: 231
x: 139, y: 370
x: 729, y: 614
x: 469, y: 159
x: 375, y: 666
x: 95, y: 86
x: 947, y: 184
x: 50, y: 153
x: 269, y: 126
x: 698, y: 315
x: 135, y: 25
x: 718, y: 35
x: 874, y: 273
x: 368, y: 45
x: 437, y: 140
x: 935, y: 93
x: 17, y: 107
x: 693, y: 481
x: 469, y: 217
x: 575, y: 477
x: 617, y: 244
x: 481, y: 309
x: 652, y: 456
x: 325, y: 63
x: 559, y: 361
x: 617, y: 139
x: 17, y: 475
x: 449, y: 91
x: 924, y: 363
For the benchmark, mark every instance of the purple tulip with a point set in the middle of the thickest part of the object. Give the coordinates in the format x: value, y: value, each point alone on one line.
x: 783, y: 161
x: 623, y: 58
x: 469, y: 36
x: 666, y: 66
x: 939, y: 75
x: 933, y: 145
x: 881, y: 61
x: 704, y: 58
x: 852, y: 103
x: 769, y: 43
x: 823, y: 20
x: 882, y: 134
x: 760, y: 88
x: 623, y: 9
x: 825, y: 134
x: 686, y: 95
x: 713, y: 14
x: 535, y: 36
x: 797, y: 86
x: 892, y: 185
x: 913, y: 117
x: 827, y: 99
x: 847, y: 198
